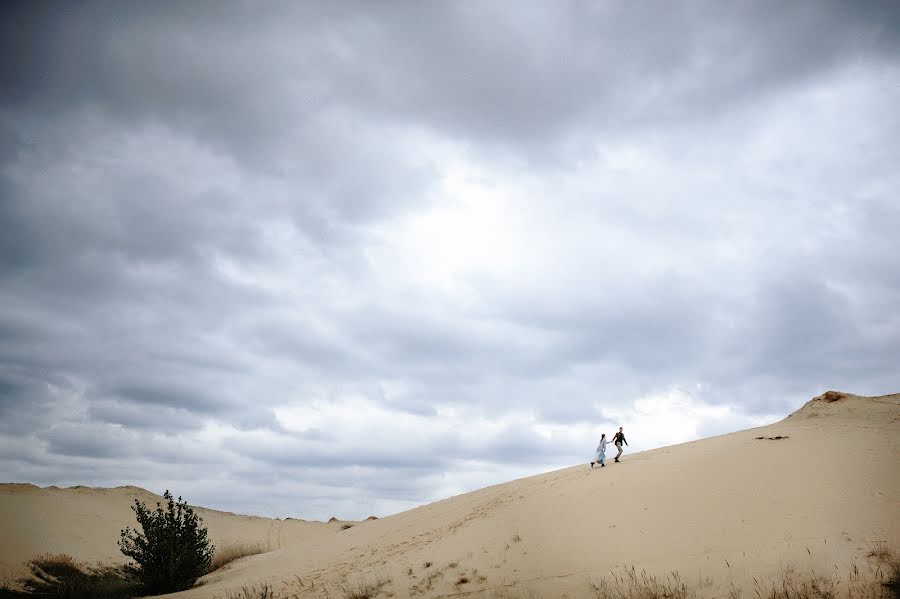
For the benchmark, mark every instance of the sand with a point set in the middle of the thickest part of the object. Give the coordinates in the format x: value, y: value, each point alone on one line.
x: 85, y: 522
x: 816, y: 492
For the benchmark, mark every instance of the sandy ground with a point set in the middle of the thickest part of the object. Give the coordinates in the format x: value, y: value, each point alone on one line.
x: 719, y: 511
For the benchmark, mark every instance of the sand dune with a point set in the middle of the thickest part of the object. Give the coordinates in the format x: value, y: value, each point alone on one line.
x: 817, y: 491
x: 85, y: 522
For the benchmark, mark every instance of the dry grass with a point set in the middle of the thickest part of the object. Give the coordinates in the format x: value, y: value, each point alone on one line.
x: 253, y: 592
x: 880, y: 580
x: 813, y: 587
x: 887, y: 571
x: 56, y: 562
x: 59, y: 575
x: 427, y: 583
x: 630, y: 583
x: 228, y: 554
x: 366, y: 589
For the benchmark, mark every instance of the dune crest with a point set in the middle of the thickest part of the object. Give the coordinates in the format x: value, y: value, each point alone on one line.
x: 839, y: 403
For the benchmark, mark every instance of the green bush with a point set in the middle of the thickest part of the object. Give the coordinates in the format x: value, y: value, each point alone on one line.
x: 172, y: 551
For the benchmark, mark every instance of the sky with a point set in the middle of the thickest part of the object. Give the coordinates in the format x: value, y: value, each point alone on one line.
x: 342, y: 259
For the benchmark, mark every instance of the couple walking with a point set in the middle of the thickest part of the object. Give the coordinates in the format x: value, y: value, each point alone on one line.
x: 600, y: 454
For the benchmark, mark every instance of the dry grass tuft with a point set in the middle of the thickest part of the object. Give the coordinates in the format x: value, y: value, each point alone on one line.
x: 633, y: 584
x: 59, y: 575
x: 57, y: 562
x: 814, y: 587
x: 228, y: 554
x: 253, y: 592
x: 364, y: 589
x: 888, y: 570
x: 429, y: 581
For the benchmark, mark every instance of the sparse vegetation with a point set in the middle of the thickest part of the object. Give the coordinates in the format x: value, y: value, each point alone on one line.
x: 630, y: 583
x: 171, y: 551
x: 888, y: 570
x: 883, y: 582
x: 429, y: 581
x: 815, y: 587
x: 229, y: 553
x: 60, y: 575
x: 253, y: 592
x: 346, y: 525
x: 364, y: 589
x: 463, y: 579
x: 427, y: 564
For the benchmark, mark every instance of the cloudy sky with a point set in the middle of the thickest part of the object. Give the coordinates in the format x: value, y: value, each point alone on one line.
x: 314, y: 259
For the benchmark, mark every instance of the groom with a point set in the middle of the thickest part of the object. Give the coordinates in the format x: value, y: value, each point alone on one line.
x: 618, y: 439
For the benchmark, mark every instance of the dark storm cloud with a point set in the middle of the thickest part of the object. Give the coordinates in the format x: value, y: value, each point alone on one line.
x: 248, y: 76
x: 194, y: 206
x: 89, y: 440
x: 134, y: 415
x: 20, y: 398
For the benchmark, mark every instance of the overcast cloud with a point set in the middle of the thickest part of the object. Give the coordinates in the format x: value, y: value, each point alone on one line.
x: 307, y: 259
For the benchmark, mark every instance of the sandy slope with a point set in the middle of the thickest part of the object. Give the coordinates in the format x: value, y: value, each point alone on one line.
x: 719, y: 511
x: 85, y: 523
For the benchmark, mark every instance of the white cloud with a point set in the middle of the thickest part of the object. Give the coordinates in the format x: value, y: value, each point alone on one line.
x: 676, y: 416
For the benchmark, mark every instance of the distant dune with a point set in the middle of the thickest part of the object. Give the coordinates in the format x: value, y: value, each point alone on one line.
x: 817, y: 492
x: 84, y: 522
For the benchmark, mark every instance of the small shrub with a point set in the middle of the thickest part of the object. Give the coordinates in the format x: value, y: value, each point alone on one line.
x: 346, y: 525
x: 172, y: 551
